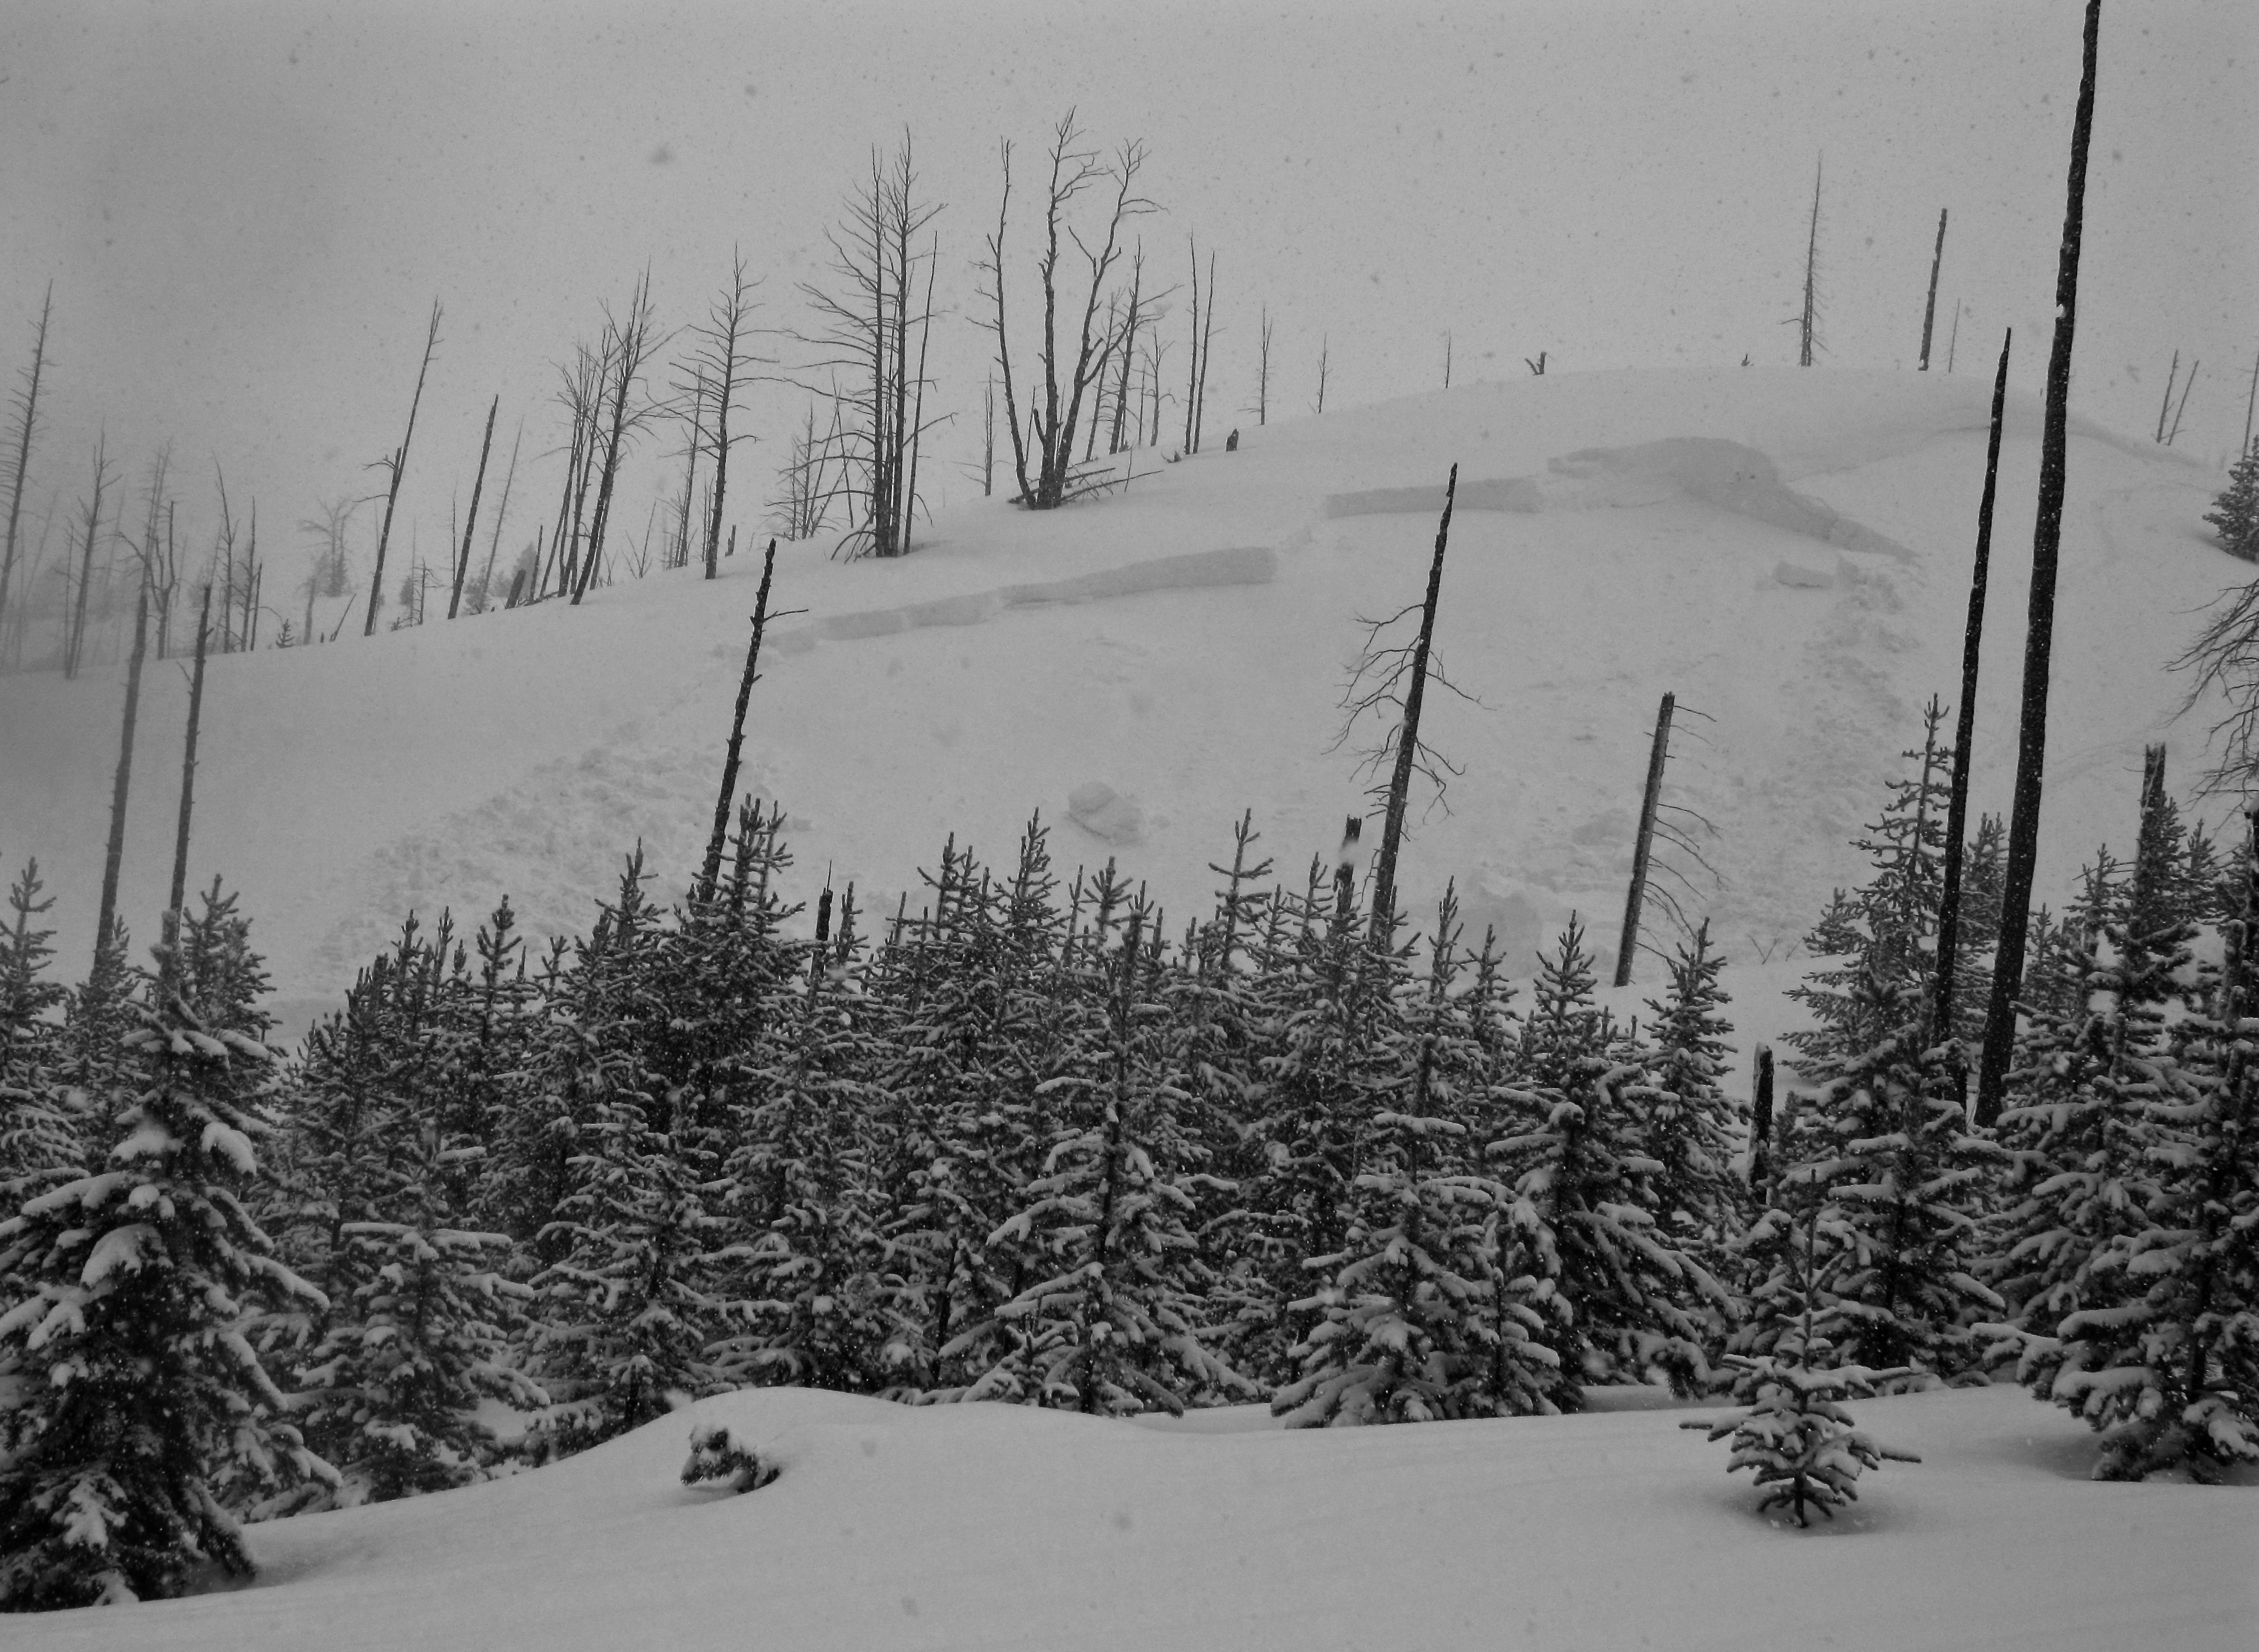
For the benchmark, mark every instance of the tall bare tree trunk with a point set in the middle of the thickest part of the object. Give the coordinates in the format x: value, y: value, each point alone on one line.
x: 106, y: 913
x: 1207, y: 350
x: 917, y: 406
x: 1263, y: 372
x: 398, y: 465
x: 501, y: 514
x: 630, y: 345
x: 471, y: 518
x: 1811, y: 317
x: 1929, y: 310
x: 74, y: 637
x: 1644, y: 845
x: 2187, y: 384
x: 1964, y: 733
x: 1192, y: 368
x: 27, y: 417
x: 711, y: 870
x: 178, y: 892
x: 2047, y: 536
x: 1407, y: 737
x: 724, y: 354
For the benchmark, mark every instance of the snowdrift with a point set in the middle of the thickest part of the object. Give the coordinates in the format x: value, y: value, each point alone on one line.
x: 1788, y: 551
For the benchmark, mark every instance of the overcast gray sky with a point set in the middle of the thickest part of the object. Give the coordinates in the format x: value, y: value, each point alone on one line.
x: 246, y: 209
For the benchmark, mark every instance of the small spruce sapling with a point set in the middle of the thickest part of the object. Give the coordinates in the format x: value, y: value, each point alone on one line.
x: 1797, y: 1439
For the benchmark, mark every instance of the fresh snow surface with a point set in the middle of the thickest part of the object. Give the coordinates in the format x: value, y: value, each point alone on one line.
x: 1000, y: 1527
x: 1788, y: 551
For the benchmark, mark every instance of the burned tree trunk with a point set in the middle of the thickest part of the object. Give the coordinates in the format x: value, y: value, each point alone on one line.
x: 75, y: 636
x: 1929, y: 310
x: 711, y: 870
x: 1658, y: 753
x: 1964, y: 734
x: 396, y: 466
x: 27, y: 416
x: 178, y: 892
x: 1407, y: 738
x: 471, y: 521
x: 106, y: 915
x: 2047, y: 537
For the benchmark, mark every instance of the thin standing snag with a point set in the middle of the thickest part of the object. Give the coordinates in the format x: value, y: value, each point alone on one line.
x: 1658, y: 753
x: 1964, y: 732
x: 712, y: 868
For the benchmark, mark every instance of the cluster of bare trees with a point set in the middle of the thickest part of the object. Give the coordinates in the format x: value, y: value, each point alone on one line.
x: 1079, y: 362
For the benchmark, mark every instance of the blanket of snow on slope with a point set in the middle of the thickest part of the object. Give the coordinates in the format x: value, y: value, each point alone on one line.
x: 1787, y: 552
x: 1000, y: 1528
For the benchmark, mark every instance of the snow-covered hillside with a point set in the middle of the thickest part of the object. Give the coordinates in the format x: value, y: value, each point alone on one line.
x: 998, y: 1527
x: 1787, y: 552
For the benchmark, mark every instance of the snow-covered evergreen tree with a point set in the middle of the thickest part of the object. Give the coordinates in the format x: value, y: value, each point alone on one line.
x: 1690, y: 1127
x: 1886, y: 1148
x: 1113, y: 1322
x: 141, y: 1409
x: 39, y: 1127
x: 627, y: 1310
x: 802, y: 1307
x: 1796, y: 1437
x: 2234, y: 514
x: 2161, y: 1351
x: 1640, y: 1301
x: 1428, y: 1313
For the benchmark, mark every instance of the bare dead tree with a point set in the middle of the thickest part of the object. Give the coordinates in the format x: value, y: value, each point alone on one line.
x: 1133, y: 317
x: 2187, y: 384
x: 1263, y: 371
x: 105, y: 919
x: 2047, y: 535
x: 1964, y: 737
x: 1807, y: 325
x: 812, y: 479
x: 1325, y: 360
x: 1394, y: 678
x: 1929, y: 310
x: 580, y: 392
x: 471, y: 517
x: 1071, y: 360
x: 711, y: 869
x: 628, y: 344
x: 1643, y: 841
x: 394, y: 466
x: 74, y: 632
x: 169, y: 968
x: 724, y: 358
x: 988, y: 437
x: 1207, y: 352
x: 158, y: 572
x: 867, y: 323
x: 1193, y: 370
x: 2165, y: 408
x: 484, y: 592
x: 26, y: 422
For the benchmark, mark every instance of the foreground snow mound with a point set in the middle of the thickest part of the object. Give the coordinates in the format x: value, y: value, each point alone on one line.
x: 998, y: 1527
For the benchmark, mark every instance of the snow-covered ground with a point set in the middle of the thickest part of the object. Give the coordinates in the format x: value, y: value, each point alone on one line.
x: 1787, y: 552
x: 998, y: 1527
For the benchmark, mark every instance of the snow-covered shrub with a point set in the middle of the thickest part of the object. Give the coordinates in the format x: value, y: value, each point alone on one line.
x: 715, y: 1456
